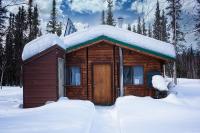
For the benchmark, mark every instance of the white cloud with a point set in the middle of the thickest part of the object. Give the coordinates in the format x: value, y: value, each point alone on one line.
x: 80, y: 26
x: 93, y: 6
x: 148, y: 7
x: 87, y: 5
x: 44, y: 7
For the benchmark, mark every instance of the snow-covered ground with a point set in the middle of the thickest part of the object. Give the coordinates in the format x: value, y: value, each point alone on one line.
x: 63, y: 116
x: 105, y: 120
x: 10, y: 98
x: 177, y: 113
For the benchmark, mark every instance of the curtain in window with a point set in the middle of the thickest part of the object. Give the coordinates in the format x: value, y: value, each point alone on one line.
x: 75, y: 76
x: 127, y: 75
x: 138, y: 75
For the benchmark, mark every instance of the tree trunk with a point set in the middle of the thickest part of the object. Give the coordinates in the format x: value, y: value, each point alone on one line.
x: 1, y: 82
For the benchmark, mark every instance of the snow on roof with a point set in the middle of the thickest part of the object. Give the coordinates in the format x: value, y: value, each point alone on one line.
x: 121, y: 35
x: 40, y: 44
x: 113, y: 33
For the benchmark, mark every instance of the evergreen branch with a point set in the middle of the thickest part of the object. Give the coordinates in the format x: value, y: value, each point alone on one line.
x: 16, y: 4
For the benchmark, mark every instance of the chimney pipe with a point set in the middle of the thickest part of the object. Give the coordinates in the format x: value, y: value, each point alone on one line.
x: 120, y: 22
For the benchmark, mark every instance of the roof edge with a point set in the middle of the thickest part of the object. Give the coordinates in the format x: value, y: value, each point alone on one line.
x: 42, y: 53
x: 133, y: 46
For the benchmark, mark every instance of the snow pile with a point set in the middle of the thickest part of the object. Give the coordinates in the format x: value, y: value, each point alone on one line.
x: 147, y: 115
x: 40, y: 44
x: 64, y: 116
x: 189, y: 91
x: 10, y: 98
x: 160, y: 83
x: 125, y: 36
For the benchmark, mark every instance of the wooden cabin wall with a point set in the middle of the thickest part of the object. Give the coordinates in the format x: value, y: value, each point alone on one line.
x: 101, y: 53
x: 40, y: 83
x: 132, y: 58
x: 78, y: 58
x: 104, y: 53
x: 85, y: 58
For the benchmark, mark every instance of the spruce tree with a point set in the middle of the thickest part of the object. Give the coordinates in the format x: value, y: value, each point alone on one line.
x: 197, y: 26
x: 103, y: 18
x: 36, y: 23
x: 9, y: 51
x: 150, y: 31
x: 129, y: 27
x: 164, y: 33
x: 157, y: 23
x: 110, y: 19
x: 174, y: 12
x: 59, y: 29
x: 139, y: 27
x: 53, y: 25
x: 30, y: 21
x: 3, y: 18
x: 20, y: 40
x: 144, y: 30
x: 134, y: 29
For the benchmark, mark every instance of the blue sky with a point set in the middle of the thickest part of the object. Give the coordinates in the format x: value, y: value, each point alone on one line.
x: 88, y: 12
x: 122, y: 8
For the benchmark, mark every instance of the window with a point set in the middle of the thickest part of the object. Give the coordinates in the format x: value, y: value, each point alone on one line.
x: 133, y: 75
x: 73, y: 76
x: 128, y: 75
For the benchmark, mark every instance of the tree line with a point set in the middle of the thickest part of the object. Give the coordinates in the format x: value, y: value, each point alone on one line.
x: 21, y: 28
x: 166, y: 27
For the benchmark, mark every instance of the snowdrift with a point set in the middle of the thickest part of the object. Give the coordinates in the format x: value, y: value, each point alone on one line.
x: 64, y: 116
x: 146, y: 115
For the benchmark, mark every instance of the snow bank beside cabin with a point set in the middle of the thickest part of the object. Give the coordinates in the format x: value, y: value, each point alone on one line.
x: 40, y: 44
x: 176, y: 113
x: 64, y: 116
x: 147, y: 115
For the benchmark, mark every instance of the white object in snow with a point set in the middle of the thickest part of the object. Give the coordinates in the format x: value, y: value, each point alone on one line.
x: 125, y: 36
x: 159, y: 83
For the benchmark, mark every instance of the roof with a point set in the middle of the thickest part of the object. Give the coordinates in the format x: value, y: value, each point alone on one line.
x: 41, y: 44
x: 102, y: 32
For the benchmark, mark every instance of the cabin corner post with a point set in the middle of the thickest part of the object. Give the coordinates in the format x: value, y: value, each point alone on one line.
x: 121, y: 72
x: 175, y: 73
x: 164, y: 70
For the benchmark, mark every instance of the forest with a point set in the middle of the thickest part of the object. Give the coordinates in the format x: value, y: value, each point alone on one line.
x: 23, y: 26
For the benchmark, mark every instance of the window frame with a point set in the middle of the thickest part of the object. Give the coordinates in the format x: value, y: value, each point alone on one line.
x: 132, y: 71
x: 69, y: 66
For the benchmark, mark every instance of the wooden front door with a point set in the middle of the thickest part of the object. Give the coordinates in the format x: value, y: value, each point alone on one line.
x: 102, y: 84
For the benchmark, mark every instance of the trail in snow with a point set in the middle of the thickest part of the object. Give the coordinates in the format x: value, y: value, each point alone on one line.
x: 105, y: 120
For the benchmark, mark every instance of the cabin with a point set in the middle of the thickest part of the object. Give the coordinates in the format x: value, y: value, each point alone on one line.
x: 97, y: 64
